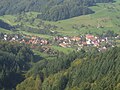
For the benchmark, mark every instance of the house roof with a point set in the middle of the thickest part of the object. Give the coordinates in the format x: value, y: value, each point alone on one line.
x: 75, y: 38
x: 91, y: 37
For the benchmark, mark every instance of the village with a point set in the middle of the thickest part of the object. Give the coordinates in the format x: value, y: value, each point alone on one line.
x: 77, y: 42
x: 88, y: 40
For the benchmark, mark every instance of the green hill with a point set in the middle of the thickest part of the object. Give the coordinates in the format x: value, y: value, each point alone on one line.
x: 52, y: 10
x: 106, y: 17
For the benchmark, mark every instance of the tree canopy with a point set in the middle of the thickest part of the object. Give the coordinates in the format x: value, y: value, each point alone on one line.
x: 14, y: 58
x: 82, y: 71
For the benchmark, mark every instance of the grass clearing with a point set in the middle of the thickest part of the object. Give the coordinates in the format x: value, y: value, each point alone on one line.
x: 61, y: 49
x: 34, y: 34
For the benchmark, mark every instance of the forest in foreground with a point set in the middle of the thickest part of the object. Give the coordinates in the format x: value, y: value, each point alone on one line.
x: 74, y: 71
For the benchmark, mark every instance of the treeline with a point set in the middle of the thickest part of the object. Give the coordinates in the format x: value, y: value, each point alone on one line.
x: 52, y: 10
x: 5, y: 25
x: 76, y: 71
x: 68, y: 9
x: 14, y: 59
x: 61, y: 12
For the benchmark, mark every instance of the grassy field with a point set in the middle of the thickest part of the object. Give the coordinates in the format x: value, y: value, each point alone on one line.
x: 106, y: 15
x: 35, y: 34
x: 61, y: 49
x: 5, y: 31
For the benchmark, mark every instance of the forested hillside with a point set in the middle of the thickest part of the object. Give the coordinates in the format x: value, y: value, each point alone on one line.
x: 76, y: 71
x: 14, y: 59
x: 91, y: 70
x: 52, y: 10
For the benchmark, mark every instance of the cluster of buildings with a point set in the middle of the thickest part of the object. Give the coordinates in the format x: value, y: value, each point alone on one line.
x: 88, y: 40
x: 27, y: 39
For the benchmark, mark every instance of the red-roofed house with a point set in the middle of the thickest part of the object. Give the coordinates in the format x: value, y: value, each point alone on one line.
x: 76, y: 38
x: 90, y: 37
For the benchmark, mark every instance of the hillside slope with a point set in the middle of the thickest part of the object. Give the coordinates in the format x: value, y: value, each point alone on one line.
x: 105, y: 18
x: 90, y: 71
x: 51, y: 9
